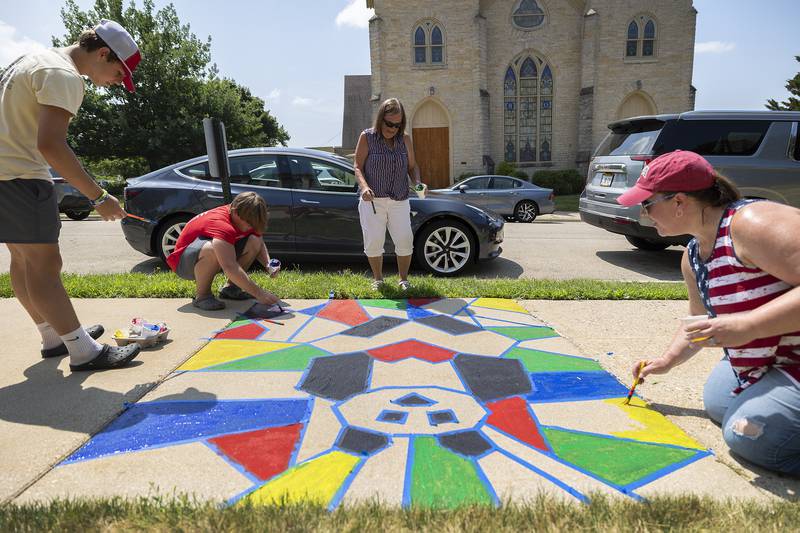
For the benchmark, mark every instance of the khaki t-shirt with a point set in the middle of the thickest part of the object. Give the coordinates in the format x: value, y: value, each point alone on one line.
x: 44, y: 78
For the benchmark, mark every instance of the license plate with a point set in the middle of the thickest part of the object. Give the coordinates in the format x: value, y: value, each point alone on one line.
x: 606, y: 179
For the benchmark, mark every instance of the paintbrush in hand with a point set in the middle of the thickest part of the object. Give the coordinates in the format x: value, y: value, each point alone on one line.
x: 635, y: 382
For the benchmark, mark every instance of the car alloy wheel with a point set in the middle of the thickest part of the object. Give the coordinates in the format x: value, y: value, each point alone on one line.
x: 526, y: 211
x: 77, y: 215
x: 168, y: 235
x: 447, y: 248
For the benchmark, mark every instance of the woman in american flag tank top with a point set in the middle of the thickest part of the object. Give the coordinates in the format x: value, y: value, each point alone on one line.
x: 742, y: 270
x: 384, y: 161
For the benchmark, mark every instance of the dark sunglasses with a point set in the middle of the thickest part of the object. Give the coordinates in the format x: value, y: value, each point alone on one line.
x: 649, y: 203
x: 393, y: 125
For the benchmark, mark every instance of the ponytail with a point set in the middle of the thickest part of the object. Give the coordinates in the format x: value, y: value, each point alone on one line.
x: 721, y: 193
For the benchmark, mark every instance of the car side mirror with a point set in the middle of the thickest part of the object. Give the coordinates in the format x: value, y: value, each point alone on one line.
x: 463, y: 187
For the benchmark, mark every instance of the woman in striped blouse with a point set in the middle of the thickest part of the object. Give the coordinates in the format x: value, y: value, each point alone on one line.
x: 383, y: 163
x: 742, y: 269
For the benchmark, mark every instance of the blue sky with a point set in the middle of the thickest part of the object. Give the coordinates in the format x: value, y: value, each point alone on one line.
x: 294, y: 55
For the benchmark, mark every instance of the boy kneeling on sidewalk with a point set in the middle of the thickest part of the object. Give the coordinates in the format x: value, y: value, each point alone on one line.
x: 226, y: 238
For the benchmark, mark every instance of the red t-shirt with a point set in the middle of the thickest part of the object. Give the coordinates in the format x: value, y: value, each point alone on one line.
x: 214, y: 224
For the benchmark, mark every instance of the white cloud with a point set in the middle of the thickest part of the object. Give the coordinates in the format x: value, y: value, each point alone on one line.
x: 356, y: 14
x: 274, y: 95
x: 714, y: 47
x: 13, y: 45
x: 299, y: 101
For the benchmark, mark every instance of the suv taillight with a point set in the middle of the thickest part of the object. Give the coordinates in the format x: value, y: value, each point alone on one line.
x: 645, y: 158
x: 552, y: 197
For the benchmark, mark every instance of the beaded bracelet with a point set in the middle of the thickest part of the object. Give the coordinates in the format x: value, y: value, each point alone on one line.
x: 100, y: 199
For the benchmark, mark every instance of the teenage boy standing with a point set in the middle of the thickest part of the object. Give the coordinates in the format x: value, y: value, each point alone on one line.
x: 40, y: 93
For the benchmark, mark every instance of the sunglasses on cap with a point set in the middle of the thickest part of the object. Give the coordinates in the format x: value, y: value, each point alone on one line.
x: 393, y: 125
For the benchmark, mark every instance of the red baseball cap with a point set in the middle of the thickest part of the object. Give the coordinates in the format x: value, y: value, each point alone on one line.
x: 121, y: 43
x: 678, y: 171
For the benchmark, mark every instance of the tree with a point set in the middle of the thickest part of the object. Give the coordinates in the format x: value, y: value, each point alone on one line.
x: 176, y: 87
x: 793, y: 103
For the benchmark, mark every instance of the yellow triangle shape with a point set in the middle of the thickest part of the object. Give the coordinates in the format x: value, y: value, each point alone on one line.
x: 315, y: 481
x: 225, y: 350
x: 499, y: 303
x: 657, y: 427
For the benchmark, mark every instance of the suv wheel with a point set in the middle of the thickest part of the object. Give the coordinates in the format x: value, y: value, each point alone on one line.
x: 77, y: 215
x: 168, y: 235
x: 647, y: 244
x: 526, y: 211
x: 445, y: 247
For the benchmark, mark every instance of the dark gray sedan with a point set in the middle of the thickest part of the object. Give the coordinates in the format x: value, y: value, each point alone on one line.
x: 507, y: 196
x: 312, y: 198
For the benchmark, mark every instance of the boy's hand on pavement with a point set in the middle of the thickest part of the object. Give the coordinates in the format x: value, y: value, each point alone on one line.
x: 110, y: 209
x: 268, y: 299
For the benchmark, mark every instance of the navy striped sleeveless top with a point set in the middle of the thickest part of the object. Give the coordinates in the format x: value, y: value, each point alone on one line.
x: 386, y: 169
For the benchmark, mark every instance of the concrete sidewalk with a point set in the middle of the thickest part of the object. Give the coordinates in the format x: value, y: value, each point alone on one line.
x: 47, y: 413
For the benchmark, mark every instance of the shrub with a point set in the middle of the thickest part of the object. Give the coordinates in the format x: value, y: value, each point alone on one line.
x: 561, y: 181
x: 510, y: 169
x: 123, y: 167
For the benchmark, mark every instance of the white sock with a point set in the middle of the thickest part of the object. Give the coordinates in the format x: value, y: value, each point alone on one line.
x: 50, y: 338
x: 82, y: 348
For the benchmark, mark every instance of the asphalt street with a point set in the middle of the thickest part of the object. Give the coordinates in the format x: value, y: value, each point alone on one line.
x: 556, y: 246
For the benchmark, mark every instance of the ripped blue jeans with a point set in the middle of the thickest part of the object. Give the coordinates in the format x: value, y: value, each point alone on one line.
x: 762, y: 423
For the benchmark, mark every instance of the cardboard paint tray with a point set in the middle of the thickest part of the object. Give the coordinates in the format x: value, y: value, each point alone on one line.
x: 144, y: 342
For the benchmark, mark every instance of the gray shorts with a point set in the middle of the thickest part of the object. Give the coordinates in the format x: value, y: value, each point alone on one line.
x: 29, y: 212
x: 190, y: 255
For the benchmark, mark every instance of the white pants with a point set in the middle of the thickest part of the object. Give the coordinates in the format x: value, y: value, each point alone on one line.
x: 389, y: 214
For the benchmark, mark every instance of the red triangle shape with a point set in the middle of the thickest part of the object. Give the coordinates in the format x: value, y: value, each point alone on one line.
x: 513, y: 417
x: 265, y: 452
x: 345, y: 311
x: 249, y: 331
x: 411, y: 348
x: 419, y: 302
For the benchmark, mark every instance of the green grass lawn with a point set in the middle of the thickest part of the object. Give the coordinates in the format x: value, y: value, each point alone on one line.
x: 541, y: 514
x: 347, y: 284
x: 568, y: 202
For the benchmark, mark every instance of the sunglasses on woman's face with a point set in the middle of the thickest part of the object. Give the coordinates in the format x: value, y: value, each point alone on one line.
x: 393, y: 125
x: 647, y: 204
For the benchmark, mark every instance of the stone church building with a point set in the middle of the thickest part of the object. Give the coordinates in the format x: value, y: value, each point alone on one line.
x: 534, y: 82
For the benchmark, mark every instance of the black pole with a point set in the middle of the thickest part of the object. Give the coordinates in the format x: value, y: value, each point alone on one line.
x: 217, y: 148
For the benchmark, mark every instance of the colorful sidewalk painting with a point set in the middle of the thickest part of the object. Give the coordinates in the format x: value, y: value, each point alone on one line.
x: 430, y: 402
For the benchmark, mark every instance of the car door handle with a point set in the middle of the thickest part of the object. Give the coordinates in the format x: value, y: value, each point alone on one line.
x: 302, y: 201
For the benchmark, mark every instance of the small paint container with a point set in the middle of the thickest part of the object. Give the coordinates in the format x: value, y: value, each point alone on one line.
x: 274, y: 265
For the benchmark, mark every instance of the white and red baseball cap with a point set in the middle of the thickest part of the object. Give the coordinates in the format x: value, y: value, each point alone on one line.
x: 678, y: 171
x: 121, y: 43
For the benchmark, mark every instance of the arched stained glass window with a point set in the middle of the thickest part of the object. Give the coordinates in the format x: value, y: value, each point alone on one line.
x: 633, y: 40
x: 436, y: 45
x: 429, y: 44
x: 528, y: 15
x: 527, y: 110
x: 641, y: 38
x: 649, y: 38
x: 419, y: 46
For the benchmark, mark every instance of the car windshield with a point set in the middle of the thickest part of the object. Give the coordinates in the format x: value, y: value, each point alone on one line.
x: 636, y: 138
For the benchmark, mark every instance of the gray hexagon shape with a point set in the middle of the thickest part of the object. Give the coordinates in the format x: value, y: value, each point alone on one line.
x: 338, y: 377
x: 492, y: 378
